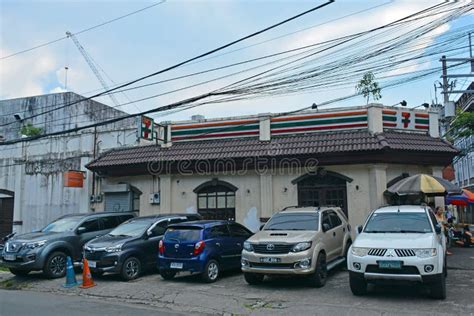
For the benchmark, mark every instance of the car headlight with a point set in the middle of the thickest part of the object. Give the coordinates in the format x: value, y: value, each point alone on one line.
x: 116, y: 248
x: 302, y: 246
x: 425, y: 253
x: 248, y: 246
x: 360, y: 252
x: 35, y: 244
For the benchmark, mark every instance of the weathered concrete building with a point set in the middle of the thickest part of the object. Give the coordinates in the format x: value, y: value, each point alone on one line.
x: 40, y: 180
x: 247, y: 168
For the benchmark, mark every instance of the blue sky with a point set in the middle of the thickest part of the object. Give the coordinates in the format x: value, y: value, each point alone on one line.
x: 172, y: 32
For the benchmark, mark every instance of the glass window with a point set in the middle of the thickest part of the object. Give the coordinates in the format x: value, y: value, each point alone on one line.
x: 335, y: 220
x: 109, y: 222
x: 325, y: 219
x: 202, y: 201
x: 183, y: 234
x: 293, y: 221
x: 237, y: 230
x: 219, y: 231
x: 221, y: 201
x: 230, y: 200
x: 398, y: 222
x: 133, y: 228
x: 63, y: 224
x: 91, y: 225
x: 159, y: 229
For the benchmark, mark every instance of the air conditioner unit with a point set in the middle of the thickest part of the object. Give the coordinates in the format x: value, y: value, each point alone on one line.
x: 92, y: 198
x: 155, y: 198
x: 98, y: 198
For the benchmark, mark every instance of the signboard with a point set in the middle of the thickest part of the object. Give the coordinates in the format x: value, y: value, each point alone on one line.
x: 146, y: 128
x: 74, y: 179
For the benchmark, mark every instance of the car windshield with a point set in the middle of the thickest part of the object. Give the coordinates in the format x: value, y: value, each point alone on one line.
x: 132, y: 229
x: 183, y: 234
x: 293, y: 221
x: 398, y: 222
x: 63, y: 224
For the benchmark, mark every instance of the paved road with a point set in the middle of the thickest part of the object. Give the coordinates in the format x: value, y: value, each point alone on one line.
x: 27, y: 303
x: 279, y: 296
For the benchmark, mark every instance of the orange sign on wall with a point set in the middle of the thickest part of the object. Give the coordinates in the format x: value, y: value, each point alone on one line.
x: 74, y: 179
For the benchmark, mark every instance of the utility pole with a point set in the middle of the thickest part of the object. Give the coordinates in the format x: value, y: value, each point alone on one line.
x: 445, y: 80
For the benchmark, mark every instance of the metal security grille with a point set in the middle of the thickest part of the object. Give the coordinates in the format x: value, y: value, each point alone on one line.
x: 405, y: 252
x: 379, y: 252
x: 275, y: 249
x: 118, y: 202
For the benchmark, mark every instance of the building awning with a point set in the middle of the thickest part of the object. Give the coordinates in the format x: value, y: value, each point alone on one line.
x: 343, y: 147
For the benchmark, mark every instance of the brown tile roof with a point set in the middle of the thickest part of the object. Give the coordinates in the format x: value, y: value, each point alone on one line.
x: 314, y: 144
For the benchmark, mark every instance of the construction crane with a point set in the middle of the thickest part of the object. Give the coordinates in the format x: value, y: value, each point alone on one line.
x: 93, y: 67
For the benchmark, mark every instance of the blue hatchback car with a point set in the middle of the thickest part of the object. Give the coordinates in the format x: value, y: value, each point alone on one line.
x: 205, y: 247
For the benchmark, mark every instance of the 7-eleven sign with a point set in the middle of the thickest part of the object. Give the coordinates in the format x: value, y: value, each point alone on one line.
x: 145, y: 128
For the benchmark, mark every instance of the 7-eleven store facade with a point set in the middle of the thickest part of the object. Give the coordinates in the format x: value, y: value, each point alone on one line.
x: 248, y: 168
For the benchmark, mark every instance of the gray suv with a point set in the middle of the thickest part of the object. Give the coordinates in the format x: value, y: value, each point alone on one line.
x: 48, y: 248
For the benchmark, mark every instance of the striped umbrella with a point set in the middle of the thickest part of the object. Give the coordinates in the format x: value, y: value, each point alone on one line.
x: 424, y: 183
x: 467, y: 197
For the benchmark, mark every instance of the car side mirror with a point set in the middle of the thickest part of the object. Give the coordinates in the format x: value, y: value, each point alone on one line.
x: 326, y: 227
x: 81, y: 230
x: 437, y: 229
x: 261, y: 226
x: 359, y: 229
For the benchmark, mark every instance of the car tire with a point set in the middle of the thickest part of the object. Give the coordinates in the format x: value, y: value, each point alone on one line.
x: 211, y: 271
x: 55, y: 265
x: 131, y: 269
x: 358, y: 285
x: 438, y: 288
x: 167, y: 274
x: 320, y: 275
x: 19, y: 272
x: 253, y: 278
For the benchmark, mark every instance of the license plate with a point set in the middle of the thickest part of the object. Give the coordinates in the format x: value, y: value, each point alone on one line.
x: 176, y: 265
x: 92, y: 264
x: 390, y: 264
x: 270, y: 260
x: 9, y: 257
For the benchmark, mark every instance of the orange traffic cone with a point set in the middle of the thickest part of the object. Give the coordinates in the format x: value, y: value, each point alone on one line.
x: 87, y: 281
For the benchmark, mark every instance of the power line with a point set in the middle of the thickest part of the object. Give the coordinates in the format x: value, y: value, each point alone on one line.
x: 188, y: 60
x: 83, y: 31
x: 219, y: 92
x: 234, y: 64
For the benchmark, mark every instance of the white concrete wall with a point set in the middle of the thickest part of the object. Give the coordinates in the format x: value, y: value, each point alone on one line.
x: 364, y: 193
x: 34, y: 171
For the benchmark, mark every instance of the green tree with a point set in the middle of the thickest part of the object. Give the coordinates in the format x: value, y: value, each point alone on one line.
x: 368, y: 86
x: 462, y: 125
x: 30, y: 131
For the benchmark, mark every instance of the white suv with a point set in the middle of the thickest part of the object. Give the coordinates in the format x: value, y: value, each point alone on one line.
x: 399, y: 243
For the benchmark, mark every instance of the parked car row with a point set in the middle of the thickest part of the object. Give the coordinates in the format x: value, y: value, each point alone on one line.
x: 398, y: 243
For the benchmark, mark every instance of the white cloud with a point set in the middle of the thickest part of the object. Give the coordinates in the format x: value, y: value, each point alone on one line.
x: 24, y: 75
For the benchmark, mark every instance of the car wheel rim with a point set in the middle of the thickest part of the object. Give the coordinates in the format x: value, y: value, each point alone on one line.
x: 212, y: 271
x: 131, y: 269
x: 58, y: 265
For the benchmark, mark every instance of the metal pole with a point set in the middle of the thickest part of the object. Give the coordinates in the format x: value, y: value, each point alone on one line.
x: 445, y: 81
